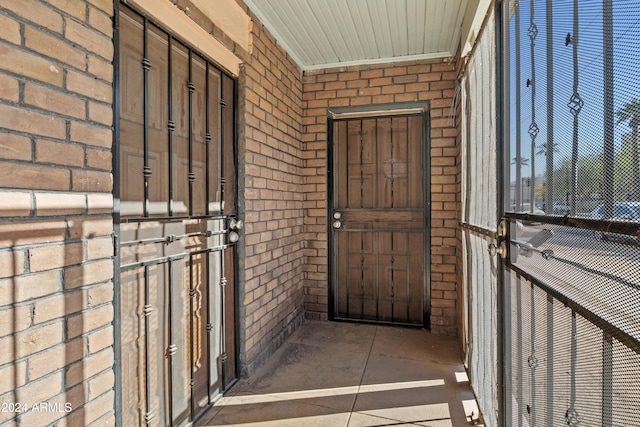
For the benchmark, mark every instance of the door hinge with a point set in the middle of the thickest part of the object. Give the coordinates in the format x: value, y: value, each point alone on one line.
x: 114, y: 236
x: 503, y: 228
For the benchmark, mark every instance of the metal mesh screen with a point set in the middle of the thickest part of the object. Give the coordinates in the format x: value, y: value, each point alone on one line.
x: 482, y: 352
x: 573, y: 200
x: 574, y: 102
x: 479, y: 133
x: 564, y: 369
x: 480, y: 217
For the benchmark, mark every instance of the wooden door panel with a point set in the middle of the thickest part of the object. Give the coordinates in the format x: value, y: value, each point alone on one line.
x: 340, y: 194
x: 415, y: 164
x: 199, y: 318
x: 379, y: 250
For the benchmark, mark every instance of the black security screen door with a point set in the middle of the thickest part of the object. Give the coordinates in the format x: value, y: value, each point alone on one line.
x: 572, y: 195
x: 379, y: 217
x: 175, y: 188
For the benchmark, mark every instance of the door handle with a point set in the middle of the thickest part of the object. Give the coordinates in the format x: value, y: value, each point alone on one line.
x: 498, y: 250
x: 337, y: 220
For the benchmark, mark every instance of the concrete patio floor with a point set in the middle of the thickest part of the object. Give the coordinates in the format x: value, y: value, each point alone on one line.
x: 348, y: 374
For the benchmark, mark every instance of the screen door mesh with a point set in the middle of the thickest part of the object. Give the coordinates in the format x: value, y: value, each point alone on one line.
x: 572, y: 291
x: 480, y: 217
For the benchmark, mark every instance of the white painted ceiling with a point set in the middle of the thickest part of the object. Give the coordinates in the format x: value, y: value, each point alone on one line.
x: 335, y: 33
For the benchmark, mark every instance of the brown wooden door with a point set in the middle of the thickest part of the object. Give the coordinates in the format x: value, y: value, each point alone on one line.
x: 378, y: 219
x: 175, y: 197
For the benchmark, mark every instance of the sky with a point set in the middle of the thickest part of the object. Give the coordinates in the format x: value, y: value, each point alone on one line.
x: 626, y: 28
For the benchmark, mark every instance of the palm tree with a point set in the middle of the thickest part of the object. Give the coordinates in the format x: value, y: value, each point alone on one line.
x: 523, y: 161
x: 543, y: 149
x: 631, y: 112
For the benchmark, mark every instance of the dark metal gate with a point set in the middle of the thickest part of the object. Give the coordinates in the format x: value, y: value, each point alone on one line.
x: 379, y: 216
x: 175, y: 216
x: 572, y: 275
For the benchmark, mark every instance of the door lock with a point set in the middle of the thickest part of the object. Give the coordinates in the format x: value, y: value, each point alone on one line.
x: 503, y: 227
x: 337, y: 220
x: 498, y: 250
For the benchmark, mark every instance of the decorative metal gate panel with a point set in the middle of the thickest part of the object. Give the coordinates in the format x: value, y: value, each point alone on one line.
x: 572, y: 276
x: 378, y: 223
x: 175, y: 210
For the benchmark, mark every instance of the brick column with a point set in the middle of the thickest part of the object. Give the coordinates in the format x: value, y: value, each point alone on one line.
x: 56, y: 251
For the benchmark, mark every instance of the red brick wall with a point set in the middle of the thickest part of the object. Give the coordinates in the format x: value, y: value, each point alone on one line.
x: 56, y: 265
x: 427, y: 80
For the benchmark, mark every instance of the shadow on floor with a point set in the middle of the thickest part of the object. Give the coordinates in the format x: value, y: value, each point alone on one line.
x: 347, y: 374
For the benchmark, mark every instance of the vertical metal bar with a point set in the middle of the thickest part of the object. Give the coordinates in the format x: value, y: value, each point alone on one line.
x: 533, y: 127
x: 575, y: 104
x: 361, y: 234
x: 361, y: 160
x: 348, y: 267
x: 221, y: 110
x: 392, y: 161
x: 571, y: 416
x: 192, y: 379
x: 377, y: 200
x: 207, y: 138
x: 549, y: 362
x: 223, y: 322
x: 408, y: 278
x: 171, y: 351
x: 426, y: 258
x: 518, y: 85
x: 505, y: 352
x: 520, y: 396
x: 548, y: 200
x: 331, y: 162
x: 607, y: 30
x: 533, y: 360
x: 406, y: 161
x: 171, y: 125
x: 393, y: 283
x: 234, y: 137
x: 192, y: 88
x: 147, y: 359
x: 207, y: 264
x: 607, y: 380
x: 346, y: 160
x: 503, y: 302
x: 146, y: 66
x: 377, y: 235
x: 362, y: 274
x: 377, y: 249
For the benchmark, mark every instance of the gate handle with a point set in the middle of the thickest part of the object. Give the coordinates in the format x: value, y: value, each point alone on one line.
x: 498, y: 250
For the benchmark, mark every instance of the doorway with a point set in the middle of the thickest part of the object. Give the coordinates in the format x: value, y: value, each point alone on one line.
x: 174, y: 213
x: 379, y: 210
